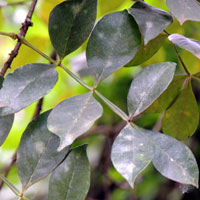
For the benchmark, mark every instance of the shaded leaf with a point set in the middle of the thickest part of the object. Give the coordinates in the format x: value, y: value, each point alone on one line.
x: 74, y: 116
x: 182, y: 118
x: 174, y: 159
x: 145, y: 52
x: 71, y: 180
x: 6, y: 123
x: 185, y: 10
x: 25, y: 86
x: 131, y: 153
x: 168, y: 96
x: 1, y: 81
x: 151, y: 20
x: 70, y: 24
x: 113, y: 43
x: 148, y: 85
x: 188, y: 44
x: 37, y: 155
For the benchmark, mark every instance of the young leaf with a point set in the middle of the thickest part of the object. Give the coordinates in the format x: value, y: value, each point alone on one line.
x: 37, y: 155
x: 182, y: 118
x: 188, y: 44
x: 185, y: 10
x: 70, y: 24
x: 145, y: 52
x: 113, y: 43
x: 148, y: 85
x: 74, y: 116
x: 6, y: 123
x: 131, y: 153
x: 71, y: 180
x: 151, y: 20
x: 173, y: 159
x: 25, y: 86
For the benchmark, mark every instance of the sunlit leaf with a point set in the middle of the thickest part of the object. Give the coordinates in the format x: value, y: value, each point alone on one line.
x: 182, y: 118
x: 131, y: 153
x: 145, y: 52
x: 148, y: 85
x: 74, y: 116
x: 185, y: 10
x: 113, y: 43
x: 25, y: 86
x: 151, y: 20
x: 70, y: 24
x: 37, y: 155
x: 71, y: 180
x: 186, y: 43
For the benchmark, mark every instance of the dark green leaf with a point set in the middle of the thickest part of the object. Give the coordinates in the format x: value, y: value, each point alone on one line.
x: 37, y: 155
x: 168, y: 96
x: 1, y: 81
x: 70, y: 24
x: 25, y: 86
x: 151, y: 20
x: 113, y: 43
x: 131, y: 153
x: 148, y: 85
x: 74, y: 116
x: 145, y: 52
x: 6, y: 123
x: 182, y: 118
x: 185, y: 10
x: 186, y: 43
x: 71, y: 180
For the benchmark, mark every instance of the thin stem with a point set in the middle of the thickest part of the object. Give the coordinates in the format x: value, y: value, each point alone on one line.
x: 113, y: 107
x: 196, y: 78
x: 13, y: 4
x: 10, y: 185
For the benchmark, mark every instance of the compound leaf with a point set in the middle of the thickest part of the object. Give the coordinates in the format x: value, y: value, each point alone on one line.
x: 25, y: 86
x: 113, y: 43
x: 71, y: 180
x: 151, y: 20
x: 37, y: 155
x: 74, y: 116
x: 70, y: 24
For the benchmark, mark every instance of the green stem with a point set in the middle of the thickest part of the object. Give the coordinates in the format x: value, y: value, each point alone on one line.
x: 11, y: 35
x: 10, y: 185
x: 196, y: 78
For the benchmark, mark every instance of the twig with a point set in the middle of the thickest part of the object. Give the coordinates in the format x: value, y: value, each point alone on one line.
x: 13, y: 4
x: 27, y: 23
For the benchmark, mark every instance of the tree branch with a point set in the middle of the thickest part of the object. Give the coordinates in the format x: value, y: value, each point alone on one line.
x: 23, y: 30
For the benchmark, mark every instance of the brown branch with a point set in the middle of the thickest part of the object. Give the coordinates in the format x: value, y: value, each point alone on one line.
x: 24, y: 28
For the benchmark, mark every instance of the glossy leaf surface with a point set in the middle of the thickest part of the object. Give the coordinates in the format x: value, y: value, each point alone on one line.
x: 131, y: 153
x: 113, y: 43
x: 37, y: 155
x: 70, y: 24
x: 148, y: 85
x: 151, y: 20
x: 186, y: 43
x: 25, y: 86
x: 71, y: 180
x: 185, y: 10
x: 74, y: 116
x: 182, y: 118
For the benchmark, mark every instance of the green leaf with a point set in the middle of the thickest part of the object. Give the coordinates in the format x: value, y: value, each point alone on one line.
x: 1, y: 81
x: 185, y: 10
x: 70, y: 24
x: 113, y: 43
x: 71, y: 180
x: 37, y: 155
x: 25, y: 86
x: 168, y: 96
x: 131, y: 153
x: 188, y: 44
x: 145, y: 52
x: 173, y: 159
x: 148, y: 85
x: 74, y: 116
x: 151, y: 20
x: 6, y: 123
x: 182, y: 118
